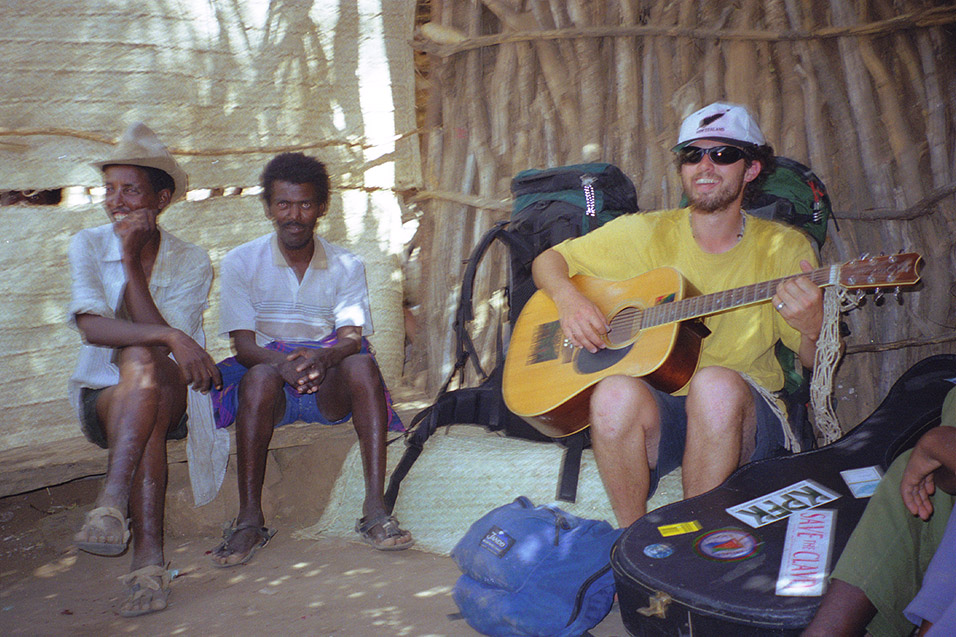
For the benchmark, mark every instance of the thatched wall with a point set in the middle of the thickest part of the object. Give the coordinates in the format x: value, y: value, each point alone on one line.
x: 862, y: 92
x: 226, y: 85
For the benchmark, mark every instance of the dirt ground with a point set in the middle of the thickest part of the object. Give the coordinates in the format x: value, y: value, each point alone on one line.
x: 327, y: 587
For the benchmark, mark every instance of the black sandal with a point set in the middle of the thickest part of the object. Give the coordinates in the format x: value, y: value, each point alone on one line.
x: 389, y: 524
x: 229, y: 531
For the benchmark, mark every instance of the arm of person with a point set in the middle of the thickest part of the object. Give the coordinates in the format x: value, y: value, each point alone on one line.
x: 802, y: 309
x: 134, y: 232
x: 99, y: 327
x: 198, y: 369
x: 581, y: 320
x: 304, y: 368
x: 313, y: 364
x: 932, y: 465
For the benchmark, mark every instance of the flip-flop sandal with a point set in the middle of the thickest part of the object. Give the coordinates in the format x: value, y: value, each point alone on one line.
x: 94, y: 519
x: 265, y: 534
x: 389, y: 524
x: 150, y: 582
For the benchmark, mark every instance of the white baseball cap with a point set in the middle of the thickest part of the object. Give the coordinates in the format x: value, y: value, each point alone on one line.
x: 722, y: 122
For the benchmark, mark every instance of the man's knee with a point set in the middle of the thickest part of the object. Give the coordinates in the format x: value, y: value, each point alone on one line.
x: 140, y: 368
x: 718, y: 382
x: 261, y: 383
x: 360, y: 370
x: 717, y: 399
x: 620, y: 403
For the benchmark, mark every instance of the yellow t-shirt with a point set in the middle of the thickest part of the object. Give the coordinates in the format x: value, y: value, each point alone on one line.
x: 742, y: 339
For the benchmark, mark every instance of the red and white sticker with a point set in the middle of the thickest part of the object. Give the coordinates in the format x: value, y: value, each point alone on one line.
x: 806, y: 553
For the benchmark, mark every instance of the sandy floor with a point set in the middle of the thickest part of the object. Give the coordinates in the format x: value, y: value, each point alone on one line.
x: 325, y: 587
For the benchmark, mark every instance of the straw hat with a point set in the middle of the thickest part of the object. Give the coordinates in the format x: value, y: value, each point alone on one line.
x: 139, y: 146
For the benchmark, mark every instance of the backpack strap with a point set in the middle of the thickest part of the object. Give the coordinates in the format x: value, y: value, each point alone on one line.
x: 570, y: 468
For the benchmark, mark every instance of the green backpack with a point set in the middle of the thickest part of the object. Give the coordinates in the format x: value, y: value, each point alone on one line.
x: 793, y: 194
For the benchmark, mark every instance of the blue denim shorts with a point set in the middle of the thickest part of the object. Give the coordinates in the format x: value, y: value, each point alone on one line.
x: 769, y: 439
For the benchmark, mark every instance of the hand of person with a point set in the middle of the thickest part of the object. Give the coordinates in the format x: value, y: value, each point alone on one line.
x: 582, y: 322
x: 134, y: 230
x: 800, y: 302
x: 306, y: 368
x: 918, y: 482
x: 198, y: 369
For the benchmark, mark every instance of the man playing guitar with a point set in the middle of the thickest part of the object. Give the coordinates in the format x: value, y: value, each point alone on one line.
x: 718, y: 420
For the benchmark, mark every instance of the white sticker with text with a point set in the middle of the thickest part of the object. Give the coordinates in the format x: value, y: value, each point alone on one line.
x: 806, y: 553
x: 782, y: 503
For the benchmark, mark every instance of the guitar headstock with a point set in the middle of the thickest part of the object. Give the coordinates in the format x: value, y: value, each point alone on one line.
x: 884, y: 271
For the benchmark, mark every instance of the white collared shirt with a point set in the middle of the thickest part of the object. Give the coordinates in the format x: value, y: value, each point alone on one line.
x: 179, y: 285
x: 261, y: 293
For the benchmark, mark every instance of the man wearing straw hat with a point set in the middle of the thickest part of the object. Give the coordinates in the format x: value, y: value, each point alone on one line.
x: 296, y: 308
x: 724, y: 416
x: 138, y: 295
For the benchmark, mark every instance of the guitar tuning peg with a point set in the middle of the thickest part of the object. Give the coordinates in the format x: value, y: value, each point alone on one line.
x: 899, y: 296
x: 878, y: 297
x: 864, y: 256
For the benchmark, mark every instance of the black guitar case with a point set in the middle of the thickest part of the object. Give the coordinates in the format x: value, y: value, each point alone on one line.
x: 670, y: 586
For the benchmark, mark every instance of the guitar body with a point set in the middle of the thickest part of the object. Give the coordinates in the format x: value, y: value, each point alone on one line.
x: 674, y: 585
x: 539, y: 358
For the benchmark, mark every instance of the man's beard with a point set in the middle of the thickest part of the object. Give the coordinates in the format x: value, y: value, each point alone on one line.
x: 718, y: 199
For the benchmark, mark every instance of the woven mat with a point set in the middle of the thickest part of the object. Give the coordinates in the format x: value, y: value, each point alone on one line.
x: 463, y: 473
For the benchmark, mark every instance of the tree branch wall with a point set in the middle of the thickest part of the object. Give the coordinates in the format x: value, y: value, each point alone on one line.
x: 858, y: 91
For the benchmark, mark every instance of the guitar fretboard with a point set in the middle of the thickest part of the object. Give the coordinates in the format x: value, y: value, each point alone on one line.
x: 632, y: 320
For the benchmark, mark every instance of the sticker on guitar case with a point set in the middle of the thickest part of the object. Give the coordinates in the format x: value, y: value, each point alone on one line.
x: 806, y: 553
x: 782, y: 503
x: 658, y: 551
x: 862, y: 482
x: 727, y: 545
x: 679, y: 528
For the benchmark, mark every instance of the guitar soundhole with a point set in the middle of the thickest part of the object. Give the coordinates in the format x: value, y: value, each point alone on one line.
x: 625, y: 325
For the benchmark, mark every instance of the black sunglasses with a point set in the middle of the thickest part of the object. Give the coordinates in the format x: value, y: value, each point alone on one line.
x: 722, y: 155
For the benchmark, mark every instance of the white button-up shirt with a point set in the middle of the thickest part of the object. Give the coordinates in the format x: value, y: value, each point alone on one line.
x: 179, y: 285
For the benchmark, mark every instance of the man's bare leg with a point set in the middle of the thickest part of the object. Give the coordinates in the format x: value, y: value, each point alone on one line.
x: 720, y: 428
x: 261, y: 405
x: 844, y: 611
x: 143, y: 404
x: 137, y: 414
x: 625, y: 434
x: 364, y: 396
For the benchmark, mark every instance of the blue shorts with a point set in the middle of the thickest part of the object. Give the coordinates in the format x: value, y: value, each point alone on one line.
x: 769, y: 439
x: 305, y: 408
x: 225, y: 401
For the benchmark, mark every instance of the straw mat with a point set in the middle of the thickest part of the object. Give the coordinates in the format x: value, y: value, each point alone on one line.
x: 463, y: 473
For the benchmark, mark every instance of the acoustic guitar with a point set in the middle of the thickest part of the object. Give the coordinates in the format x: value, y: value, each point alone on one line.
x: 656, y: 334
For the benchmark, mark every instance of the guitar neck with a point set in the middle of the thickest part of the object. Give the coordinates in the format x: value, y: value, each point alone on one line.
x: 706, y: 304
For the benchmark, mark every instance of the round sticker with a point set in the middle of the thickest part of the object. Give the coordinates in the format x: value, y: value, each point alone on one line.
x: 658, y: 551
x: 727, y: 545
